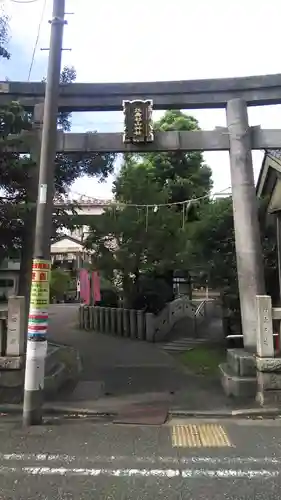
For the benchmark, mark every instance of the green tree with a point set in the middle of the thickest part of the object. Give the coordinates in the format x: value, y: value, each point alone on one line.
x: 128, y: 240
x: 60, y: 283
x: 184, y: 175
x: 19, y: 184
x: 13, y: 175
x: 132, y: 240
x: 4, y: 34
x: 211, y: 246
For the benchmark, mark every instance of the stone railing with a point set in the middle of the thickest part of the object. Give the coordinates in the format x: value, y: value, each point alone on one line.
x: 136, y: 324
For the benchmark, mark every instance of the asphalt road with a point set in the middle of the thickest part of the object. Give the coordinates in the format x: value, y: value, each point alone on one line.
x: 81, y: 459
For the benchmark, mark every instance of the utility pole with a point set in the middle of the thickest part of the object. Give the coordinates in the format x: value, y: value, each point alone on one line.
x: 39, y: 297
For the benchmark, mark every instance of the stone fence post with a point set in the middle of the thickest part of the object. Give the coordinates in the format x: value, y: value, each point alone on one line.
x: 140, y: 325
x: 126, y: 324
x: 107, y: 319
x: 268, y: 367
x: 113, y: 319
x: 119, y: 322
x: 102, y: 319
x: 265, y: 345
x: 133, y: 323
x: 16, y: 326
x: 96, y: 318
x: 149, y: 327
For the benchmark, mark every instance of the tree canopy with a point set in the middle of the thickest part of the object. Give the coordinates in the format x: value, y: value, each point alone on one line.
x: 60, y: 283
x: 146, y: 229
x: 4, y: 35
x: 211, y: 247
x: 211, y: 244
x: 152, y: 228
x: 184, y: 175
x: 19, y: 176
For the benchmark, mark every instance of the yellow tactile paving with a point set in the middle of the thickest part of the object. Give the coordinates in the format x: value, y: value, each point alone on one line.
x: 199, y: 436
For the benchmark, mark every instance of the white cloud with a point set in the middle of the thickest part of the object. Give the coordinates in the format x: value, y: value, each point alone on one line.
x: 127, y: 41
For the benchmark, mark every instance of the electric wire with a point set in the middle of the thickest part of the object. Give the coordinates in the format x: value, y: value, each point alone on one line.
x: 24, y: 1
x: 37, y: 37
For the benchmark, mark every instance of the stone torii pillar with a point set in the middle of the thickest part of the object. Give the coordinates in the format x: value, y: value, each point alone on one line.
x: 245, y: 211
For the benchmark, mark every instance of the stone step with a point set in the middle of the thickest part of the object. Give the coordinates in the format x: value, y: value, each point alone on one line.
x: 237, y: 386
x: 241, y: 362
x: 182, y: 344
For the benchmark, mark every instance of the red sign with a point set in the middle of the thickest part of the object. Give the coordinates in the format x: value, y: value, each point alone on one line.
x: 39, y: 276
x: 40, y: 265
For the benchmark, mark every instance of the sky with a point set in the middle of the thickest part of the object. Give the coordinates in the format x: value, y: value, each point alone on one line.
x: 127, y: 41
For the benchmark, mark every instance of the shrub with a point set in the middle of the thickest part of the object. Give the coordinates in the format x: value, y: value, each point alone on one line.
x: 60, y: 283
x: 151, y: 294
x: 109, y: 298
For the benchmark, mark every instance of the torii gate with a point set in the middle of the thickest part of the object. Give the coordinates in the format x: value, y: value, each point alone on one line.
x: 234, y: 94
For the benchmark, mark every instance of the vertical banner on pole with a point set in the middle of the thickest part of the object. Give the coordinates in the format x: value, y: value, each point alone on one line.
x: 96, y: 286
x: 82, y: 284
x: 85, y: 287
x: 39, y: 300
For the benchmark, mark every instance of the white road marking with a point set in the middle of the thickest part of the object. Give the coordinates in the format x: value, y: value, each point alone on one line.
x: 53, y: 457
x: 230, y: 473
x: 37, y: 457
x: 158, y: 473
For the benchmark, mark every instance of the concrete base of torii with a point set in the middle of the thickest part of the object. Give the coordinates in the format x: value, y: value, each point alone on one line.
x: 248, y: 376
x: 256, y: 375
x: 238, y: 374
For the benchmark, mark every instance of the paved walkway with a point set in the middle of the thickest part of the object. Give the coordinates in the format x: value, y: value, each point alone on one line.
x: 119, y: 371
x: 117, y: 366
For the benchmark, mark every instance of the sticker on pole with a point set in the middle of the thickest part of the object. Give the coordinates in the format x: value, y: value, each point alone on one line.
x: 43, y: 194
x: 40, y: 284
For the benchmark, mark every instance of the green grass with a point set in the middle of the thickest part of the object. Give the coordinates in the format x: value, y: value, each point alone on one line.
x: 203, y: 360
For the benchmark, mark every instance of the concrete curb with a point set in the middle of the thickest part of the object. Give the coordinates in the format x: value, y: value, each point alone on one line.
x: 173, y: 413
x: 241, y: 413
x: 16, y: 409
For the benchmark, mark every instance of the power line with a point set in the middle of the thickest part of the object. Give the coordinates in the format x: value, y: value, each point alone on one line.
x: 38, y: 33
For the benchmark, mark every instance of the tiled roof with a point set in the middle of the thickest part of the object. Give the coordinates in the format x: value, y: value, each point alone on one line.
x: 83, y: 200
x: 276, y: 153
